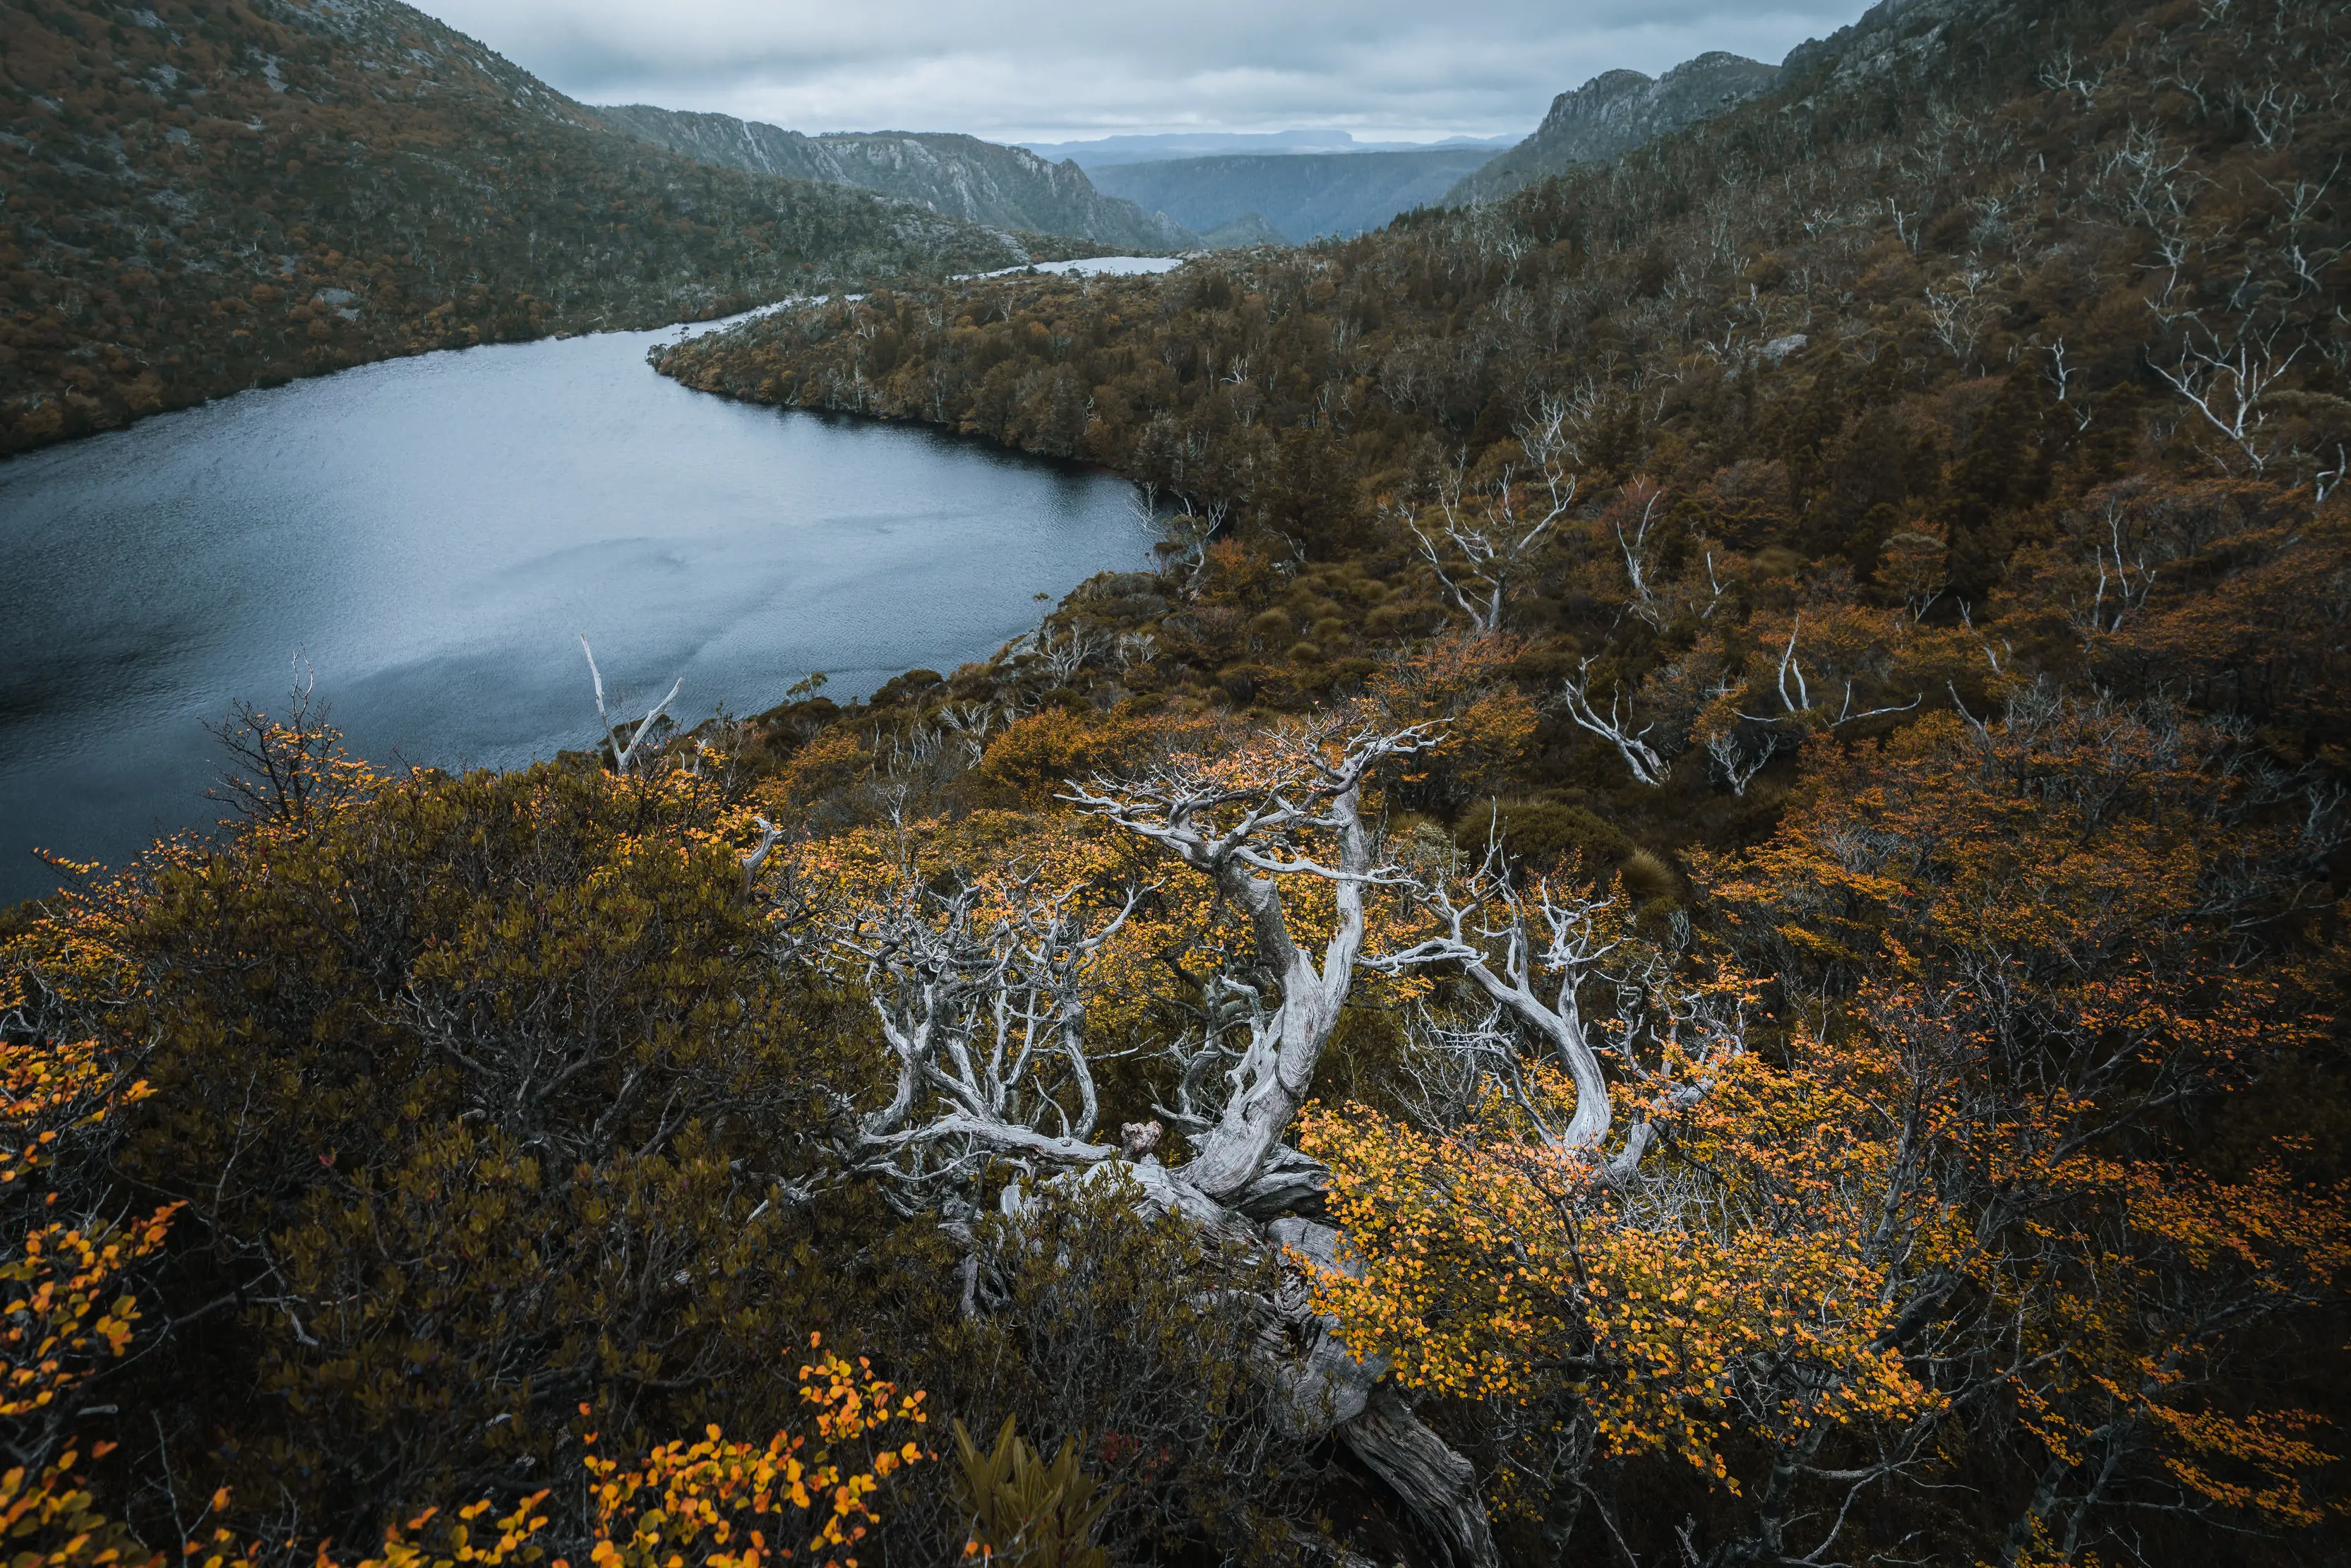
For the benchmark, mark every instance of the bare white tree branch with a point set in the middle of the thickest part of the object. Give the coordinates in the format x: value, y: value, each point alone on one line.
x: 1248, y: 837
x: 625, y: 757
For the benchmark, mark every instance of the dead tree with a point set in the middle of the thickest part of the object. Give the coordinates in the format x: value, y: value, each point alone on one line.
x: 1743, y: 744
x: 1249, y: 835
x: 1252, y: 829
x: 1649, y: 766
x: 981, y: 996
x: 1491, y: 543
x: 2228, y: 383
x: 981, y: 993
x: 1635, y: 548
x: 624, y: 755
x: 1535, y: 956
x: 1795, y: 694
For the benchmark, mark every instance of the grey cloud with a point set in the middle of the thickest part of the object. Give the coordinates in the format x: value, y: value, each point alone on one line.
x: 1061, y: 68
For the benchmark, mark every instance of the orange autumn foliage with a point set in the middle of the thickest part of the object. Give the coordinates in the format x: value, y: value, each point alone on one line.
x: 712, y: 1502
x: 2010, y: 952
x: 66, y: 1312
x: 1495, y: 1268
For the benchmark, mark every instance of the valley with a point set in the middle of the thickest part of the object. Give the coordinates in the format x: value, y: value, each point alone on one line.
x: 1301, y: 196
x: 212, y: 199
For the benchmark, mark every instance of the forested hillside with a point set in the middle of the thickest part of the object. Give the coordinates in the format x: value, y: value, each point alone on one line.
x: 962, y: 176
x: 1698, y: 920
x: 1854, y: 304
x: 208, y: 196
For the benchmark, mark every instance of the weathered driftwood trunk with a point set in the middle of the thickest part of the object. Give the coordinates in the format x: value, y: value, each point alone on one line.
x: 1438, y: 1483
x: 1241, y: 1174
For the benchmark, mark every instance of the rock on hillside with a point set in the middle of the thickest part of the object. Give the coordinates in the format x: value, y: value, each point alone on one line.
x: 1614, y: 113
x: 978, y: 181
x: 723, y: 140
x: 1892, y: 36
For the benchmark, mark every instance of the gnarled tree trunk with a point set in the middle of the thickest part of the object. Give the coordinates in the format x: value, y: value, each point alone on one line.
x: 975, y: 1010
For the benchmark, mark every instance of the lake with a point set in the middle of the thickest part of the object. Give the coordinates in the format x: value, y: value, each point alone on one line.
x: 431, y: 536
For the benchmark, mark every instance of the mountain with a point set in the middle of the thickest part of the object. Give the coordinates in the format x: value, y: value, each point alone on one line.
x: 1614, y: 113
x: 199, y: 198
x: 1106, y: 150
x: 978, y: 181
x: 1825, y: 640
x: 1303, y: 195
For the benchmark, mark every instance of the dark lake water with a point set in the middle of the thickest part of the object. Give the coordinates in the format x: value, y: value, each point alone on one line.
x: 431, y: 535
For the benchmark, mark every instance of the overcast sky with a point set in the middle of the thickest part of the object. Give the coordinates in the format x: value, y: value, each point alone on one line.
x: 1064, y: 69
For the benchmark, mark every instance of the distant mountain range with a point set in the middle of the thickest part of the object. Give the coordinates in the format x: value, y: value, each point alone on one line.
x: 962, y: 176
x: 1612, y: 113
x: 1309, y: 184
x: 1105, y: 152
x: 1301, y: 195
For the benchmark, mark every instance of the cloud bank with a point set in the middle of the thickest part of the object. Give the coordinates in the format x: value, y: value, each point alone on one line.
x: 1062, y: 70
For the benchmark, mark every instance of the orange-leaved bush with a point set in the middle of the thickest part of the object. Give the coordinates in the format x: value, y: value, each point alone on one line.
x: 68, y: 1311
x: 711, y: 1503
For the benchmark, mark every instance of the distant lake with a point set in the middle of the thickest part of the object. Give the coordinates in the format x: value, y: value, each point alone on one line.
x: 430, y: 535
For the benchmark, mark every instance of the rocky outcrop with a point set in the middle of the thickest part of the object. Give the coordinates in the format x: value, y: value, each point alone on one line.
x: 1614, y: 113
x: 1892, y: 37
x: 723, y: 140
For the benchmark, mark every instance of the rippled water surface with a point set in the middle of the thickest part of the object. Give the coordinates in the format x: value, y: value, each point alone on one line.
x: 431, y: 534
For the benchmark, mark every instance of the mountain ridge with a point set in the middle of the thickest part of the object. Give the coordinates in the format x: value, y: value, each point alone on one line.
x: 979, y: 181
x: 1170, y: 146
x: 1614, y: 113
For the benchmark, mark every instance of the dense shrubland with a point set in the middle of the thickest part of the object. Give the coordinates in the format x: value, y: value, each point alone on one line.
x: 1697, y: 919
x: 202, y: 197
x: 1944, y: 1162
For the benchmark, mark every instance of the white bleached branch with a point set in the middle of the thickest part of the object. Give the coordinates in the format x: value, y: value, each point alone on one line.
x: 625, y: 757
